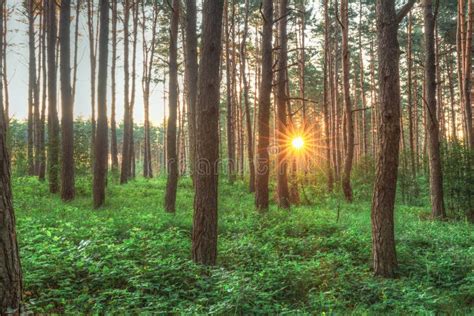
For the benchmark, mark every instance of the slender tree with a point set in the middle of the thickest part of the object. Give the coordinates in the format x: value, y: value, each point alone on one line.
x: 101, y: 142
x: 383, y: 201
x: 53, y: 124
x: 126, y: 162
x: 263, y: 159
x: 32, y: 85
x: 326, y: 96
x: 349, y: 124
x: 282, y: 100
x: 204, y: 237
x: 67, y: 122
x: 432, y: 124
x: 113, y: 123
x: 230, y: 98
x: 172, y: 158
x: 191, y: 77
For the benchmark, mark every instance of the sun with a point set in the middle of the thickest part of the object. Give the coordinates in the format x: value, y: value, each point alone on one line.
x: 297, y: 143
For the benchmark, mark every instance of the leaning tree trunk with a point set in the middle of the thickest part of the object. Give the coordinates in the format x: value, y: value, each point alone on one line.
x: 53, y: 124
x: 432, y: 125
x: 172, y: 158
x: 263, y: 159
x: 383, y: 201
x: 67, y: 127
x: 282, y: 99
x: 10, y: 269
x: 204, y: 238
x: 101, y: 141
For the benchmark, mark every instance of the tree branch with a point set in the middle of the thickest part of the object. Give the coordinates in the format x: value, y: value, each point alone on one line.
x: 404, y: 10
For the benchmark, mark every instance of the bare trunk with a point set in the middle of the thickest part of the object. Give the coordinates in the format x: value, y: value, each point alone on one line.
x: 432, y: 126
x: 67, y: 122
x: 172, y: 158
x: 101, y: 141
x: 113, y: 123
x: 263, y: 159
x: 204, y: 236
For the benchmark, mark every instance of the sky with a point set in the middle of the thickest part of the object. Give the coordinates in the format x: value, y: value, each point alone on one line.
x: 17, y: 71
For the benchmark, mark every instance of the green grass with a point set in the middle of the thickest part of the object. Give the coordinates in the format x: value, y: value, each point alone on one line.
x: 132, y: 257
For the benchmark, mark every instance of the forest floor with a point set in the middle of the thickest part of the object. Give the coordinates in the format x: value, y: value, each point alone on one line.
x: 132, y: 257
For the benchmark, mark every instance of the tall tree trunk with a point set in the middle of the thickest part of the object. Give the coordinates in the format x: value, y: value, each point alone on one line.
x: 113, y: 123
x: 410, y: 96
x: 126, y: 159
x: 101, y: 142
x: 191, y: 77
x: 53, y: 124
x: 204, y: 237
x: 326, y: 96
x: 230, y: 107
x: 383, y: 234
x: 148, y: 60
x: 282, y: 99
x: 263, y: 159
x: 467, y: 75
x: 32, y: 96
x: 42, y: 141
x: 135, y: 10
x: 93, y: 67
x: 248, y: 120
x: 67, y: 122
x: 172, y: 158
x: 451, y: 97
x: 10, y: 268
x: 349, y: 155
x: 432, y: 126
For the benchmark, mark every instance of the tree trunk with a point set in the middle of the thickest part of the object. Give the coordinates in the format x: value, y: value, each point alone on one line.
x: 93, y: 66
x: 263, y: 159
x: 42, y: 141
x: 383, y: 234
x: 32, y: 96
x: 467, y: 75
x: 204, y: 237
x: 172, y: 158
x: 248, y: 121
x: 432, y: 126
x: 191, y: 78
x: 282, y: 99
x: 113, y: 123
x: 349, y: 155
x: 410, y: 97
x: 101, y: 142
x: 10, y: 268
x: 326, y: 96
x: 126, y: 157
x: 53, y: 124
x: 67, y: 122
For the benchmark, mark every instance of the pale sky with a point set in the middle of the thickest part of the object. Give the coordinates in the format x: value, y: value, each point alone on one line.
x: 17, y: 70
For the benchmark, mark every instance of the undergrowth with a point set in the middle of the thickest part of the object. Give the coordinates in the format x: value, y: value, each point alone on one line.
x: 132, y: 257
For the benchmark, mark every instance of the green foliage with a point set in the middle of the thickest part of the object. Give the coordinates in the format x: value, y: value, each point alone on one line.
x: 132, y: 257
x: 458, y: 180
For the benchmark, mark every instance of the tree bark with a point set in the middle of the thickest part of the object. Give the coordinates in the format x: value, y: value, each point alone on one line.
x: 326, y: 96
x: 432, y: 126
x: 53, y: 124
x: 172, y: 157
x: 113, y: 123
x: 282, y: 99
x: 349, y: 155
x: 126, y: 159
x: 383, y: 234
x: 101, y: 141
x: 32, y: 85
x: 204, y: 237
x: 10, y: 268
x: 67, y: 122
x: 192, y: 69
x: 263, y: 159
